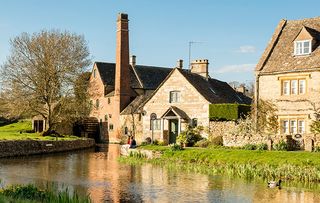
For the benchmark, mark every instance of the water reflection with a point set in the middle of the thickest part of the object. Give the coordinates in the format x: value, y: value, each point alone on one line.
x: 98, y: 173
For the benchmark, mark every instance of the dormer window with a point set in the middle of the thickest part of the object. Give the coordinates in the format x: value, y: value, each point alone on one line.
x: 302, y: 47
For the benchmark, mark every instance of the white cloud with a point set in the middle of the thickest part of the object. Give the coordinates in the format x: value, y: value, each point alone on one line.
x: 247, y: 49
x: 240, y: 68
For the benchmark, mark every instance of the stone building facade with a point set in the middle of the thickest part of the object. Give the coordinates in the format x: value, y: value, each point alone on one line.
x: 288, y: 75
x: 148, y: 101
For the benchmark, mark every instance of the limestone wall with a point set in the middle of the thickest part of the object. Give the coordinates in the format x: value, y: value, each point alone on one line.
x: 30, y: 147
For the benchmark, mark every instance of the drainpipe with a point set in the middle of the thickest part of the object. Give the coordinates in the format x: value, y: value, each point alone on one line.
x: 256, y: 99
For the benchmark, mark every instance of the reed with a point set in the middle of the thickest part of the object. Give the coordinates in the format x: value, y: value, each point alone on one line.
x: 267, y: 165
x: 30, y: 193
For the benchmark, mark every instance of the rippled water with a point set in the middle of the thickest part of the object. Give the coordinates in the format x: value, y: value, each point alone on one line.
x: 99, y: 174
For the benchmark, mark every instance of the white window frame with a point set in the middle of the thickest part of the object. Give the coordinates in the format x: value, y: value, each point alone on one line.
x: 155, y: 124
x: 174, y: 96
x: 299, y: 47
x: 294, y: 86
x: 293, y: 125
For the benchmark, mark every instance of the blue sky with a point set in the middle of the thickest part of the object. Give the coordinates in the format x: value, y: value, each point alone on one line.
x: 233, y: 33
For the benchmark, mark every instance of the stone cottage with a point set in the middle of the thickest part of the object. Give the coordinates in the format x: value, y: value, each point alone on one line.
x: 148, y: 101
x: 288, y: 75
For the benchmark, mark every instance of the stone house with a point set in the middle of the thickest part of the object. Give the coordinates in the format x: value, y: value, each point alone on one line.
x: 148, y: 101
x: 288, y: 75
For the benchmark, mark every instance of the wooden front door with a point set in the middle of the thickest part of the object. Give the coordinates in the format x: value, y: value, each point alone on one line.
x: 173, y: 130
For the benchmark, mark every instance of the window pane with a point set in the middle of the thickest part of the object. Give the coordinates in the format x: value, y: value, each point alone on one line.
x: 301, y: 126
x: 285, y: 126
x: 293, y: 126
x: 306, y: 47
x: 286, y: 87
x: 302, y: 86
x: 294, y: 87
x: 174, y: 97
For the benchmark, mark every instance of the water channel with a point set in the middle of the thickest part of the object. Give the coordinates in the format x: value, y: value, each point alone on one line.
x: 99, y: 174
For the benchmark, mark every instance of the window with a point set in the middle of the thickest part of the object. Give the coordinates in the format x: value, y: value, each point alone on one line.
x: 97, y: 103
x: 293, y: 87
x: 293, y: 126
x: 286, y: 87
x: 302, y: 47
x: 94, y: 73
x: 155, y: 124
x: 109, y: 101
x: 174, y: 97
x: 126, y: 131
x: 301, y: 126
x: 110, y: 127
x: 285, y: 126
x: 302, y: 86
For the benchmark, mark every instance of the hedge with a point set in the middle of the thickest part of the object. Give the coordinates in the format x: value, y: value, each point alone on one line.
x: 228, y: 112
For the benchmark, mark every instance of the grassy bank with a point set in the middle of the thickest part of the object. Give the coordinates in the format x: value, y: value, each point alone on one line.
x: 22, y: 131
x: 290, y: 166
x: 30, y: 193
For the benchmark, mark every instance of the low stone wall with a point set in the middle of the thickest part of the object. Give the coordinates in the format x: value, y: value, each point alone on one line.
x: 30, y: 147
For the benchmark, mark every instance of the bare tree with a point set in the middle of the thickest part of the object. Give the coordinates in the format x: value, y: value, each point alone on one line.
x: 40, y: 73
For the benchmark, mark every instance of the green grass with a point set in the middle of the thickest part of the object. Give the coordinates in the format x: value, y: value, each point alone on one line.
x: 292, y: 166
x: 18, y: 131
x: 32, y: 194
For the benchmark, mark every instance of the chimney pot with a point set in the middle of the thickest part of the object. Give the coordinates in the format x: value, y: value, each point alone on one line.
x: 180, y: 63
x: 133, y: 60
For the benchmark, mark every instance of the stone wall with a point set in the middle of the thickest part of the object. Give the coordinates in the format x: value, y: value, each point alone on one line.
x: 30, y: 147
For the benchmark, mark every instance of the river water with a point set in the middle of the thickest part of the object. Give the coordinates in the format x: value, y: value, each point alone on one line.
x: 99, y: 174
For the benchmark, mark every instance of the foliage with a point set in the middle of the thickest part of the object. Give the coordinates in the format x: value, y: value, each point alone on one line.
x: 175, y: 147
x: 245, y: 127
x: 137, y: 154
x: 227, y: 112
x: 315, y: 127
x: 316, y: 149
x: 190, y: 136
x: 289, y: 166
x: 32, y: 193
x: 41, y: 74
x: 203, y: 143
x: 249, y: 147
x: 211, y: 142
x: 262, y: 146
x: 280, y: 146
x: 267, y: 120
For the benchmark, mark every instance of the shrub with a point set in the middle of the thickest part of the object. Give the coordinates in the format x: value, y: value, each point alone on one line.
x: 175, y: 147
x: 281, y: 146
x: 249, y: 147
x: 316, y: 149
x: 148, y: 140
x: 228, y: 112
x: 155, y: 142
x: 203, y: 143
x: 262, y: 146
x: 216, y: 141
x: 182, y: 138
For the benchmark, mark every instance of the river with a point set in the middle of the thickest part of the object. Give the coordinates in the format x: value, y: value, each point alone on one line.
x: 99, y: 174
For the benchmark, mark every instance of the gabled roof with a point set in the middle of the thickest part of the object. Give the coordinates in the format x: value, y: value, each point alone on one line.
x: 136, y: 105
x: 279, y: 54
x: 177, y: 112
x: 143, y: 77
x: 215, y: 91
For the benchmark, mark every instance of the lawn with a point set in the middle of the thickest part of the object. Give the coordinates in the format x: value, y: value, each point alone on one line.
x: 19, y: 131
x: 286, y: 165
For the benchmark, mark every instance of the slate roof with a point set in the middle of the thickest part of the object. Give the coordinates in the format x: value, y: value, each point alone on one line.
x: 279, y: 53
x: 215, y: 91
x: 144, y: 77
x: 136, y: 105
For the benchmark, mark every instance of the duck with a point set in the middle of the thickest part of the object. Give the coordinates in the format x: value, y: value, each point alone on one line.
x: 273, y: 184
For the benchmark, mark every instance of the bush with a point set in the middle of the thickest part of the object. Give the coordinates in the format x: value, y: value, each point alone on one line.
x: 216, y: 141
x: 316, y: 149
x: 262, y: 146
x: 281, y: 146
x: 228, y: 112
x: 175, y: 147
x: 249, y: 147
x: 203, y: 143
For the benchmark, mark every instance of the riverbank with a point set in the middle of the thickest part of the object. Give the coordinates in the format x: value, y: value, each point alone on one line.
x: 32, y: 147
x: 268, y: 165
x: 30, y: 193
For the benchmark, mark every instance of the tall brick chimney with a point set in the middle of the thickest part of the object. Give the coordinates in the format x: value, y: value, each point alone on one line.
x: 122, y: 79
